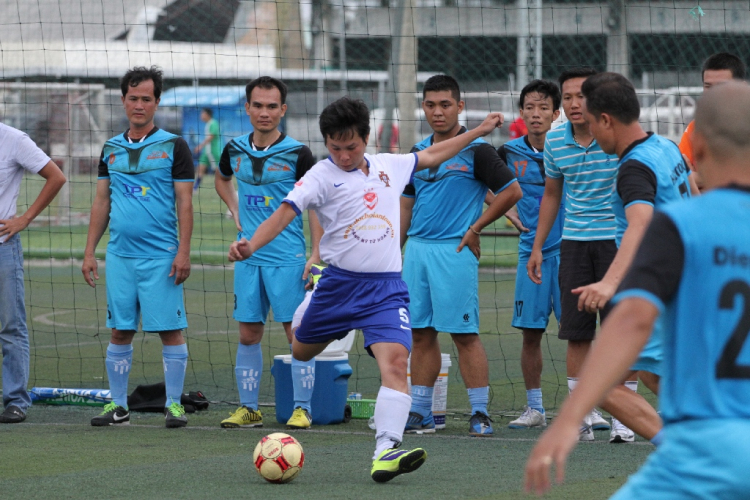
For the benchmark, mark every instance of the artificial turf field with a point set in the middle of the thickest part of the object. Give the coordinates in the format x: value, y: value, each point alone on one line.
x: 57, y: 454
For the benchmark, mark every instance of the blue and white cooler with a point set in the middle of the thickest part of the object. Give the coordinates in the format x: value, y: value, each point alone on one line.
x: 332, y: 372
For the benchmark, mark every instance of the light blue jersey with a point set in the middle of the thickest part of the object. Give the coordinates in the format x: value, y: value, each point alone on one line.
x: 589, y: 175
x: 705, y: 301
x: 664, y: 159
x: 264, y: 178
x: 449, y: 198
x: 143, y: 221
x: 528, y: 165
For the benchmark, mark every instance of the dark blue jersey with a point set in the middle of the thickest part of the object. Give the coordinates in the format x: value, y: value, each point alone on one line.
x: 449, y: 198
x: 264, y: 178
x: 142, y: 218
x: 699, y: 275
x: 651, y: 171
x: 528, y: 165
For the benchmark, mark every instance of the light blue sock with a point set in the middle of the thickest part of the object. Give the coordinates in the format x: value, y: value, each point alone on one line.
x: 175, y: 364
x: 534, y: 400
x: 421, y: 399
x: 303, y: 381
x: 478, y: 399
x: 656, y: 440
x: 248, y: 369
x: 119, y: 360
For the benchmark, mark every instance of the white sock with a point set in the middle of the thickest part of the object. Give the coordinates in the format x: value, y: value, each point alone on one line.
x: 391, y: 414
x: 572, y: 381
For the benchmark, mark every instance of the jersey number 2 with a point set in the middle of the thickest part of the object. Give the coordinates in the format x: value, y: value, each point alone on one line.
x: 727, y: 366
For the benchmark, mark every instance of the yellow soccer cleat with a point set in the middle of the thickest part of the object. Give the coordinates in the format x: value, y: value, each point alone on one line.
x: 393, y: 462
x: 300, y: 419
x: 243, y: 417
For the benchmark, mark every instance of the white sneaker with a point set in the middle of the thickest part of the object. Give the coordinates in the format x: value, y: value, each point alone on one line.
x: 529, y: 419
x: 598, y: 423
x: 586, y: 432
x: 620, y: 433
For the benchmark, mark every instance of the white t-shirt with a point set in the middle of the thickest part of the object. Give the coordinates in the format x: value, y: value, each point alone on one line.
x: 17, y: 153
x: 360, y: 213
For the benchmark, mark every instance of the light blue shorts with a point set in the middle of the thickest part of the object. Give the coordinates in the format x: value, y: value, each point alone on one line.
x: 141, y: 290
x: 443, y: 285
x: 260, y: 288
x: 650, y: 358
x: 534, y: 303
x: 699, y: 459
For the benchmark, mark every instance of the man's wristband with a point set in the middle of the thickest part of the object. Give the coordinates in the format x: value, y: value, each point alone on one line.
x: 475, y: 232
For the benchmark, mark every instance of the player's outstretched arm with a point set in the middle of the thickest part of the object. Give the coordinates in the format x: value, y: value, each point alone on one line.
x: 445, y: 150
x: 596, y: 295
x: 553, y: 191
x: 623, y: 335
x: 267, y: 231
x: 181, y: 264
x: 98, y: 223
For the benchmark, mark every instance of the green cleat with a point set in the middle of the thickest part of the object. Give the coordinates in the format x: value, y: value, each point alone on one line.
x: 393, y: 462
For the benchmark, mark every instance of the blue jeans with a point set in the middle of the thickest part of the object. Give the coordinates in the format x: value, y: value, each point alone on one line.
x: 14, y: 336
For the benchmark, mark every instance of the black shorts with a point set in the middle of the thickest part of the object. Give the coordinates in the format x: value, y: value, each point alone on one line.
x: 582, y: 263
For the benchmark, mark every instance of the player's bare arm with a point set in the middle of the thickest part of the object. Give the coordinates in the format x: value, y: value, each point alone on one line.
x: 181, y: 264
x: 54, y: 182
x: 596, y: 295
x: 316, y: 233
x: 553, y: 191
x: 503, y: 202
x: 98, y: 223
x: 622, y: 338
x: 445, y: 150
x: 407, y: 208
x: 225, y: 189
x: 267, y: 231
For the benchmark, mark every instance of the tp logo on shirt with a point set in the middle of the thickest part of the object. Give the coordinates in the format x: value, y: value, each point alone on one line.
x: 140, y: 192
x: 258, y: 202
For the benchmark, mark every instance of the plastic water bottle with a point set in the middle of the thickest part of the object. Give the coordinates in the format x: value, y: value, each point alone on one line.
x: 60, y: 396
x: 357, y: 396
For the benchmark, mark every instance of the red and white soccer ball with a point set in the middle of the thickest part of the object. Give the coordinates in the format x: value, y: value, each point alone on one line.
x: 278, y: 457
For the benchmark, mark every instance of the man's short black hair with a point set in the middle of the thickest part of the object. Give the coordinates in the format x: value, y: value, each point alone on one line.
x: 267, y: 82
x: 139, y: 74
x: 442, y: 82
x: 208, y: 111
x: 582, y: 72
x: 613, y: 94
x: 343, y: 117
x: 546, y: 89
x: 725, y: 60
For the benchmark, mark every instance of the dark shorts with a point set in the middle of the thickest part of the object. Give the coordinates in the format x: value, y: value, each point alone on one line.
x: 582, y: 263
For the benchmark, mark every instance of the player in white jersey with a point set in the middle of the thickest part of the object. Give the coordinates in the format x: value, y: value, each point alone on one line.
x: 356, y: 197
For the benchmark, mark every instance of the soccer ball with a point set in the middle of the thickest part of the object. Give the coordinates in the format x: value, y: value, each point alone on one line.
x: 278, y: 457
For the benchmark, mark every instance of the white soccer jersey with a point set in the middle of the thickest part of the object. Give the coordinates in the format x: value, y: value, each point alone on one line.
x: 360, y: 213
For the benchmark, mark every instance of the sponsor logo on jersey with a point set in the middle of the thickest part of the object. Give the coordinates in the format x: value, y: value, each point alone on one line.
x: 384, y: 177
x: 278, y: 167
x: 157, y: 155
x: 137, y: 192
x: 111, y: 158
x: 370, y: 229
x: 457, y: 166
x: 371, y: 199
x: 258, y: 202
